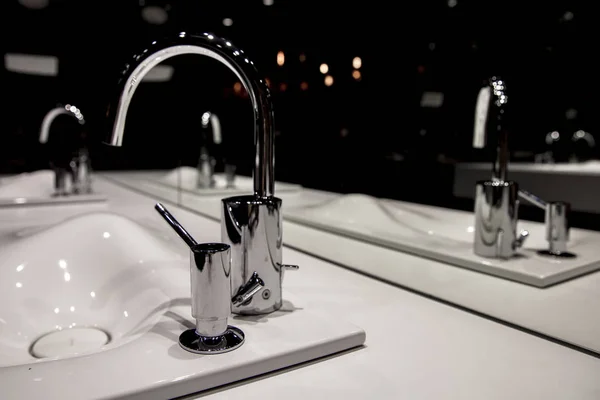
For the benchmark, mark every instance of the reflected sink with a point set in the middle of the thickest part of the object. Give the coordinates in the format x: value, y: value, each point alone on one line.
x: 95, y: 276
x: 37, y: 188
x: 187, y: 177
x: 447, y: 235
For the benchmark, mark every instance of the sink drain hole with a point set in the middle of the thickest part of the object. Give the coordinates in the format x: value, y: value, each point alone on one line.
x: 69, y: 342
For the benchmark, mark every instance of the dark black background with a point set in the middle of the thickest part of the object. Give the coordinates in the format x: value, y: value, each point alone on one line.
x: 546, y: 52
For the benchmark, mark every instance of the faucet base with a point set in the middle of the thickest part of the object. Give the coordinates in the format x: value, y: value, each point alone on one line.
x: 230, y: 340
x: 558, y: 254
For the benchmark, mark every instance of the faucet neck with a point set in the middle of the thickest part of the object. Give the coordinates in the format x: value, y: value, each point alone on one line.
x: 55, y: 112
x: 238, y: 62
x: 490, y: 120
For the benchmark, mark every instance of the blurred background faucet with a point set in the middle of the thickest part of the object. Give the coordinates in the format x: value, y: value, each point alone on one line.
x: 67, y: 157
x: 207, y: 161
x: 496, y: 200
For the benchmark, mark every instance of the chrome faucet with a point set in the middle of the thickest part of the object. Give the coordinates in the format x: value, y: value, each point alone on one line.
x: 206, y: 162
x: 70, y: 168
x: 251, y: 224
x: 496, y: 200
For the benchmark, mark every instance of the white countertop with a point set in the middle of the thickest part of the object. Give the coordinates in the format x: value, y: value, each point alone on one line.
x: 567, y: 311
x: 415, y: 348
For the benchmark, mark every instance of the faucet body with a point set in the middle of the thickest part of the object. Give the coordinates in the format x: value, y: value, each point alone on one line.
x: 77, y: 167
x: 255, y: 234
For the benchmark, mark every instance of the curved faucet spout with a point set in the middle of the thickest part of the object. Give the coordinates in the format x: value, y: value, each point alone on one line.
x: 225, y: 52
x: 490, y: 116
x: 55, y: 112
x: 211, y: 119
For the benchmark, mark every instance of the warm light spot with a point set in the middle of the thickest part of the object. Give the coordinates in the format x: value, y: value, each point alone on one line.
x: 72, y: 308
x: 304, y: 86
x: 93, y: 294
x: 62, y: 264
x: 302, y: 57
x: 67, y: 277
x: 268, y: 81
x: 19, y: 285
x: 356, y: 75
x: 356, y: 62
x: 328, y: 80
x: 20, y: 267
x: 324, y: 68
x: 106, y: 235
x: 237, y: 88
x: 280, y: 58
x: 283, y: 87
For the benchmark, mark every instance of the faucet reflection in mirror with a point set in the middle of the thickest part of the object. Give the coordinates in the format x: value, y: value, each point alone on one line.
x: 497, y: 199
x: 73, y: 164
x: 251, y: 224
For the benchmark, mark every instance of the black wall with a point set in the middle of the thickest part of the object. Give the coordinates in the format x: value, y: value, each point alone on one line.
x: 351, y: 136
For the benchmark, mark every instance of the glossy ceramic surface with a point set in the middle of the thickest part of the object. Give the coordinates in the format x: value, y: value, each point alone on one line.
x: 188, y: 177
x: 447, y: 236
x: 62, y: 284
x: 98, y: 270
x: 37, y: 188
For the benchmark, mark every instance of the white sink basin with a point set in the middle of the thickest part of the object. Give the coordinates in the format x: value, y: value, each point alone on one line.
x: 187, y: 177
x: 99, y: 271
x: 37, y: 188
x: 92, y: 307
x: 447, y: 235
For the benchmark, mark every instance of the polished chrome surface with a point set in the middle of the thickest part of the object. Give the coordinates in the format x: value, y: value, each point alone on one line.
x: 210, y: 268
x: 496, y: 200
x: 556, y: 221
x: 83, y: 169
x: 177, y: 227
x: 206, y: 162
x: 557, y: 226
x: 211, y: 288
x: 252, y: 227
x: 206, y: 170
x: 237, y: 61
x: 72, y: 169
x: 533, y: 199
x: 496, y: 215
x: 55, y: 112
x: 248, y: 290
x: 230, y: 340
x: 491, y: 118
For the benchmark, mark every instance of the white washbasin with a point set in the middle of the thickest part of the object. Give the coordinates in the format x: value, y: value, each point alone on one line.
x: 37, y: 188
x: 92, y: 307
x: 187, y: 177
x: 100, y: 271
x: 447, y: 235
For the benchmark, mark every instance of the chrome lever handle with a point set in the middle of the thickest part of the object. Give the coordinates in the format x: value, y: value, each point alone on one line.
x: 523, y: 235
x: 245, y: 293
